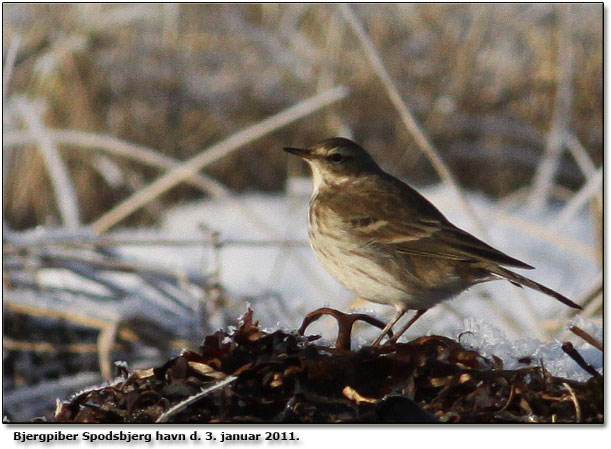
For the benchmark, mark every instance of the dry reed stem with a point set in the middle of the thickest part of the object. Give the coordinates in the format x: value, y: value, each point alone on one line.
x: 591, y: 188
x: 106, y: 338
x: 97, y: 19
x: 587, y: 167
x: 591, y: 308
x: 65, y: 194
x: 8, y: 344
x: 581, y: 156
x: 165, y: 416
x: 407, y: 117
x: 595, y: 291
x: 556, y: 138
x: 592, y: 300
x: 149, y: 157
x: 594, y: 308
x: 105, y: 342
x: 139, y: 153
x: 118, y: 239
x: 587, y: 337
x: 184, y: 171
x: 44, y: 311
x: 575, y: 402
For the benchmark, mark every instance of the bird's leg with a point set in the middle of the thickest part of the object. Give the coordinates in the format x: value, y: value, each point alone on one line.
x: 386, y: 330
x: 419, y: 313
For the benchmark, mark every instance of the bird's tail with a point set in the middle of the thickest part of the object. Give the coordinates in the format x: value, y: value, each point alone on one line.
x: 520, y: 281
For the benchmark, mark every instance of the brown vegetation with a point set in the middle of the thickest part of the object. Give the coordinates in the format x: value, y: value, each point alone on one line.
x: 250, y: 376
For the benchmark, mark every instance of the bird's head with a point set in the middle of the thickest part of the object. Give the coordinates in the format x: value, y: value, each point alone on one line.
x: 334, y: 161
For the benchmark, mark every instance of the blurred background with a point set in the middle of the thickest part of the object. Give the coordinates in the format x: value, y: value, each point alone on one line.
x: 111, y: 252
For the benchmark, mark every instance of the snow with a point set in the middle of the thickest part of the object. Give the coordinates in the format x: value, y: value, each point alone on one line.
x: 489, y: 341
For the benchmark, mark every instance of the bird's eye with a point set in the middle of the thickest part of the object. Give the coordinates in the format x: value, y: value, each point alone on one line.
x: 336, y: 157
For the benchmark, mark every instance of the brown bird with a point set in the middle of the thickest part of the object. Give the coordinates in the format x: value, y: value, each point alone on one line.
x: 387, y: 243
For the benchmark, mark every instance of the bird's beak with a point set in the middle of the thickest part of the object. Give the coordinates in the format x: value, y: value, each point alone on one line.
x: 305, y: 154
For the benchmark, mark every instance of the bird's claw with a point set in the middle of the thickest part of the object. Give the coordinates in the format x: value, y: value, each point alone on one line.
x: 345, y: 321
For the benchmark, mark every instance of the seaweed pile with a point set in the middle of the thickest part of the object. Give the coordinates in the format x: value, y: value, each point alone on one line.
x: 248, y: 375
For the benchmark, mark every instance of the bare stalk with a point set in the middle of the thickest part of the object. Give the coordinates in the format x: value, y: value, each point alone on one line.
x: 65, y: 194
x: 407, y: 117
x: 184, y: 171
x: 544, y: 177
x: 579, y: 200
x: 165, y: 416
x: 139, y: 153
x: 581, y: 156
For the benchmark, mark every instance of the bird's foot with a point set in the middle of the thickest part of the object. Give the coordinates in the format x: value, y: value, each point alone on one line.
x: 345, y: 321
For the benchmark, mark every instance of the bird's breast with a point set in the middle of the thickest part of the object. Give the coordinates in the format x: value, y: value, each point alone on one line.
x: 354, y: 264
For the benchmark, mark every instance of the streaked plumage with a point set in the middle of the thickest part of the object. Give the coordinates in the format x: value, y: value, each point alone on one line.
x: 387, y: 243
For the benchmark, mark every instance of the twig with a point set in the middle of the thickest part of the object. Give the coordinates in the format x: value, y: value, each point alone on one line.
x: 581, y: 156
x: 590, y: 307
x: 93, y: 269
x: 165, y: 416
x: 407, y: 117
x: 587, y: 337
x: 590, y: 189
x: 592, y: 293
x: 68, y: 261
x: 8, y: 344
x: 105, y: 343
x: 112, y: 240
x: 544, y: 176
x: 214, y: 153
x: 142, y: 154
x: 570, y: 350
x: 509, y: 399
x: 575, y: 402
x: 65, y: 194
x: 594, y: 308
x: 46, y: 312
x: 16, y: 281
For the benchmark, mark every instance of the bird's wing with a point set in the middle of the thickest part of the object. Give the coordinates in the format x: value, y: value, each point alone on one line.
x: 400, y: 218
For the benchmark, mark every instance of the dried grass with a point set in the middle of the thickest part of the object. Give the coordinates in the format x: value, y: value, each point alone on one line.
x: 114, y: 112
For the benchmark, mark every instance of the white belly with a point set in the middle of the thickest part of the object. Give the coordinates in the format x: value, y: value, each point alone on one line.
x: 358, y: 273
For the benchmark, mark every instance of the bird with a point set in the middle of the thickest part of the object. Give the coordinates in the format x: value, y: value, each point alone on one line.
x: 388, y: 244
